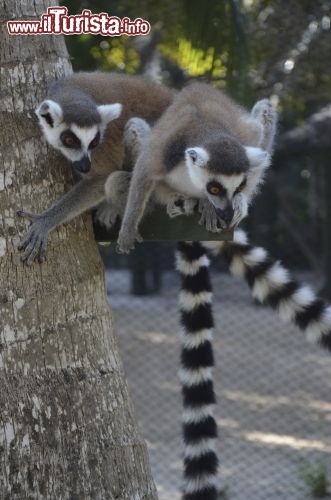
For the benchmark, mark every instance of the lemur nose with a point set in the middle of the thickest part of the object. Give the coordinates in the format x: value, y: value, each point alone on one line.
x: 83, y: 165
x: 226, y: 215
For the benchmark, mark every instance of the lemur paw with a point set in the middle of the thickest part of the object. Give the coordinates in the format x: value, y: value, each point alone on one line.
x: 240, y: 207
x: 35, y: 242
x: 107, y: 214
x: 126, y: 240
x: 136, y: 127
x: 209, y: 217
x: 179, y: 204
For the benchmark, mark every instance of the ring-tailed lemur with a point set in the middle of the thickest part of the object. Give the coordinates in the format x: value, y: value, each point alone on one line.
x: 84, y: 116
x: 270, y: 284
x: 199, y: 425
x: 204, y: 147
x: 136, y: 134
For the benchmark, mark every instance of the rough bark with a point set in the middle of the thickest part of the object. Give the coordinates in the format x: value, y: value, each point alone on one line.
x: 67, y: 429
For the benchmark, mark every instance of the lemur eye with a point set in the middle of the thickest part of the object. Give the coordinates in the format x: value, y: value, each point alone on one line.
x: 215, y: 189
x: 69, y: 139
x: 95, y: 141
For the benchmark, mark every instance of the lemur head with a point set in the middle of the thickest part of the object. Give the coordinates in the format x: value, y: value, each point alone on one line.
x: 229, y: 173
x: 75, y: 124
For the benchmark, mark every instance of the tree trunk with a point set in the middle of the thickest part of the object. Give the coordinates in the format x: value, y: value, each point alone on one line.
x: 67, y: 429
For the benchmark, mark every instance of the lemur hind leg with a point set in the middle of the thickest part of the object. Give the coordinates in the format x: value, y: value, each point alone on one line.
x: 116, y: 190
x: 136, y: 133
x: 265, y: 113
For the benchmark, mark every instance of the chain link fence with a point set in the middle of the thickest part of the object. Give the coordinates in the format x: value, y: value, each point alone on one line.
x: 273, y: 388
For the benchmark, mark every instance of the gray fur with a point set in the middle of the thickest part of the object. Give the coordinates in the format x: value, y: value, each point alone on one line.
x: 78, y: 106
x: 91, y: 102
x: 227, y: 155
x: 206, y: 134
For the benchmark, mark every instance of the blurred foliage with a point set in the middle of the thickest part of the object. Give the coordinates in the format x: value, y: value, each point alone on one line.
x: 253, y: 48
x: 206, y: 40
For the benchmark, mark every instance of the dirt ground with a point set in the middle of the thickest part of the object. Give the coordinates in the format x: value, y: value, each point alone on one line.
x: 273, y: 390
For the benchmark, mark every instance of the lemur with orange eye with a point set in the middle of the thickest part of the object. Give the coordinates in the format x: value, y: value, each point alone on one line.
x: 212, y: 167
x: 205, y: 151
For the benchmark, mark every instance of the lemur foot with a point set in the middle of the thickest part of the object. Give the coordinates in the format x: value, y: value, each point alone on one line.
x: 126, y: 240
x: 179, y: 204
x: 265, y: 112
x: 209, y: 217
x: 107, y: 214
x: 116, y: 190
x: 35, y: 242
x: 136, y: 132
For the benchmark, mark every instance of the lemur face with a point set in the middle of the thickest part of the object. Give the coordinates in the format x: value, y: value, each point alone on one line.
x: 75, y: 142
x: 229, y: 192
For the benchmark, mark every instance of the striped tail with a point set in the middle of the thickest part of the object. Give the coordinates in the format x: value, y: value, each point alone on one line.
x: 271, y: 284
x: 199, y: 426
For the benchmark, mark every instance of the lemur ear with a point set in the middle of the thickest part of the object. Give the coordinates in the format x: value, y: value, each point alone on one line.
x: 259, y: 161
x: 258, y: 158
x: 109, y: 112
x: 49, y: 112
x: 197, y: 156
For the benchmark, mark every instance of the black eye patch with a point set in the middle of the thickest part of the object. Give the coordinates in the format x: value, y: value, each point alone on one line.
x: 216, y: 189
x: 70, y: 140
x: 48, y: 119
x: 241, y: 186
x: 95, y: 141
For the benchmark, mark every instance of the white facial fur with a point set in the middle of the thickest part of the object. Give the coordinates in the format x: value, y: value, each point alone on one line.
x: 52, y: 131
x: 196, y: 159
x: 85, y: 135
x: 230, y: 183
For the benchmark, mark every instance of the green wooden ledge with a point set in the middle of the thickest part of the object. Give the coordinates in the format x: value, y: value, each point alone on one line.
x: 158, y: 226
